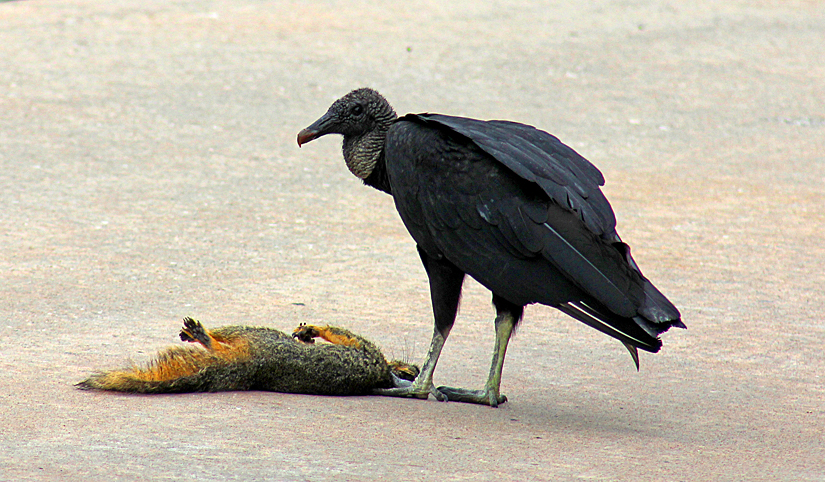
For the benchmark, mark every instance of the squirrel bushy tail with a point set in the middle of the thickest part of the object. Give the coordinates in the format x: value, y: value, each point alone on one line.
x: 255, y: 358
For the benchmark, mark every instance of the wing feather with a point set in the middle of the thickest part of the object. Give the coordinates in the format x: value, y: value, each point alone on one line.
x: 541, y: 158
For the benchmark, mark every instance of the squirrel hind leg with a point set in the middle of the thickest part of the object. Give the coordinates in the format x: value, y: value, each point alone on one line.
x: 194, y: 332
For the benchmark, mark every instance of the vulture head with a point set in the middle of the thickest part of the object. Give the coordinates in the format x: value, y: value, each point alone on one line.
x: 363, y: 117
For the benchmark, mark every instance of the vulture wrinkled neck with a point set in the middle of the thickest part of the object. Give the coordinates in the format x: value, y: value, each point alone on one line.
x: 364, y: 153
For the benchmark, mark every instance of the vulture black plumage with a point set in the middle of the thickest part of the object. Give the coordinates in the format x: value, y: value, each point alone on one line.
x: 511, y: 206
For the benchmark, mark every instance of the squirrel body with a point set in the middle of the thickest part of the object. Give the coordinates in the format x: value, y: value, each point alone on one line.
x: 257, y: 358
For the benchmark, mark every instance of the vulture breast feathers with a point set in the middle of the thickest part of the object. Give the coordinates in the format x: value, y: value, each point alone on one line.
x: 521, y: 212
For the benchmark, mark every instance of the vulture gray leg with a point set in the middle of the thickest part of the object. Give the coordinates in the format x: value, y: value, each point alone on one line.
x: 423, y: 384
x: 445, y: 292
x: 490, y: 395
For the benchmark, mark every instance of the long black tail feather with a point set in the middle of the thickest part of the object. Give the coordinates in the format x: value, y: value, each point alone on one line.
x: 626, y: 330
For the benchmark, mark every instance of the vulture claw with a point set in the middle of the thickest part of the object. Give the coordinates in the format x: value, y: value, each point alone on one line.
x: 411, y: 391
x: 481, y: 397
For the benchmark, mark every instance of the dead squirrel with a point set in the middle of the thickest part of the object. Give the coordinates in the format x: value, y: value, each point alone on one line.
x: 255, y: 358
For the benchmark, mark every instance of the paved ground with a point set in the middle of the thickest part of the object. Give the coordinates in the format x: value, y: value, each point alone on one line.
x: 149, y: 172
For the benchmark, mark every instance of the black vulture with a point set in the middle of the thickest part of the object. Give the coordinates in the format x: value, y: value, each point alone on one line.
x: 509, y: 205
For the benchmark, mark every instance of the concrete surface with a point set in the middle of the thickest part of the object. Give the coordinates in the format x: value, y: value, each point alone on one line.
x: 149, y: 172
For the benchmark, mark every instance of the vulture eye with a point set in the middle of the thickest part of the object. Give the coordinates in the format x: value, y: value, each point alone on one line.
x: 357, y: 110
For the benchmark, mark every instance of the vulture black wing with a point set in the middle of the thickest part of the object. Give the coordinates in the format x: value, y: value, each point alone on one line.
x: 565, y: 176
x: 523, y: 214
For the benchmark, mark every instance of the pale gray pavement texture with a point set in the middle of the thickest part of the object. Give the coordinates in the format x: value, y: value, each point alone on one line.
x: 149, y: 172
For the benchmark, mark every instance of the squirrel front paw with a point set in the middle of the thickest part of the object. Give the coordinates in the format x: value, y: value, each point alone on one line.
x: 306, y: 333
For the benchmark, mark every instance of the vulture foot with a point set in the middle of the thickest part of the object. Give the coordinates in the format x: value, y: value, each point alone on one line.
x: 481, y: 397
x: 410, y: 390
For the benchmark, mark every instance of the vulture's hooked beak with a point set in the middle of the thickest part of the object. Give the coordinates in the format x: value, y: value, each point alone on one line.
x: 314, y: 131
x: 307, y: 135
